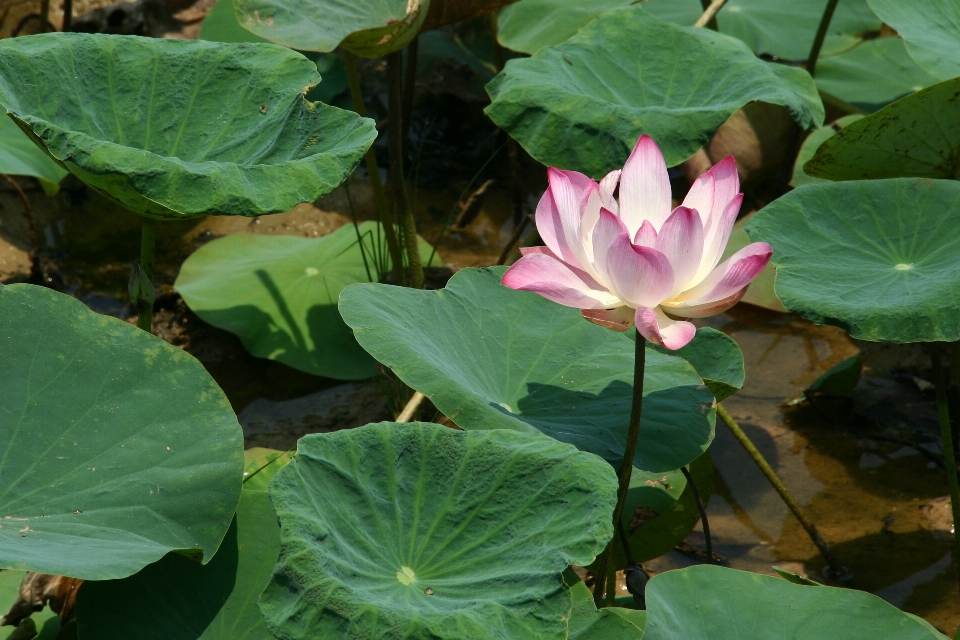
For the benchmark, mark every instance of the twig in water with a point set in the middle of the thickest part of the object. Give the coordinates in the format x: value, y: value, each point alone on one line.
x: 514, y: 239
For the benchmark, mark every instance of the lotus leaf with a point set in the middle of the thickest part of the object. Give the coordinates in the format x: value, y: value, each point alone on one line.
x: 781, y: 28
x: 176, y: 599
x: 872, y: 74
x: 717, y: 359
x: 812, y: 144
x: 370, y: 28
x: 931, y: 29
x: 611, y: 623
x: 181, y: 128
x: 876, y: 257
x: 221, y: 25
x: 494, y: 358
x: 714, y: 603
x: 118, y: 447
x: 916, y: 136
x: 20, y: 157
x: 582, y: 104
x: 279, y: 295
x: 420, y: 531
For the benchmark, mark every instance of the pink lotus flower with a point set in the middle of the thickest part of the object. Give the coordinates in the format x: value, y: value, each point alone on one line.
x: 638, y: 262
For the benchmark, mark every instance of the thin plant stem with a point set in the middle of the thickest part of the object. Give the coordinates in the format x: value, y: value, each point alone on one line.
x: 703, y: 513
x: 946, y: 433
x: 67, y: 16
x: 411, y: 407
x: 709, y: 17
x: 409, y: 89
x: 612, y: 587
x: 514, y: 239
x: 148, y: 243
x: 379, y: 199
x: 839, y: 571
x: 401, y: 204
x: 811, y: 65
x: 626, y: 466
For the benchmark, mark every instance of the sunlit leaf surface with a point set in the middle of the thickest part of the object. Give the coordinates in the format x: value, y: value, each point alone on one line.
x: 490, y: 357
x: 416, y: 530
x: 181, y: 128
x: 876, y: 257
x: 582, y: 104
x: 116, y: 447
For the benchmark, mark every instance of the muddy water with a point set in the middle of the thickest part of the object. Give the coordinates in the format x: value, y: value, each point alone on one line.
x: 866, y: 495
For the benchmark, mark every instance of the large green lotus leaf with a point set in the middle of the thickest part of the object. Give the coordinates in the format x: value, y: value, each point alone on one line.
x: 810, y: 146
x: 916, y: 136
x: 782, y: 28
x: 279, y: 295
x: 181, y: 128
x: 611, y: 623
x: 490, y: 357
x: 875, y: 72
x: 20, y: 157
x: 715, y: 603
x: 931, y: 29
x: 221, y: 25
x: 420, y: 531
x: 370, y: 28
x: 117, y: 447
x: 717, y: 359
x: 176, y: 599
x: 876, y: 257
x: 582, y: 104
x: 46, y: 621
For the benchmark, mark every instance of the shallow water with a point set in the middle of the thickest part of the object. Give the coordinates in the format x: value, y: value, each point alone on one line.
x: 865, y: 495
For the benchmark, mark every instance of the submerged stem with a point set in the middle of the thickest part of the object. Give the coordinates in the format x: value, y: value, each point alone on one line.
x: 946, y: 433
x: 148, y: 242
x: 379, y: 199
x: 395, y: 147
x: 626, y: 466
x: 811, y: 65
x: 839, y: 571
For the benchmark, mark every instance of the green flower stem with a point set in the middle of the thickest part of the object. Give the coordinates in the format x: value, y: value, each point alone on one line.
x: 401, y: 205
x: 148, y: 242
x: 703, y: 513
x: 946, y: 433
x: 811, y: 65
x: 626, y: 467
x: 379, y: 199
x: 838, y: 570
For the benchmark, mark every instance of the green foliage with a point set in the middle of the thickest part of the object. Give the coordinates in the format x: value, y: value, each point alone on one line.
x: 221, y: 25
x: 494, y: 358
x: 872, y: 74
x: 839, y: 379
x: 875, y: 257
x: 812, y: 144
x: 20, y: 157
x: 176, y: 128
x: 781, y: 28
x: 176, y: 599
x: 279, y: 294
x: 717, y: 359
x: 931, y: 29
x: 582, y: 104
x: 370, y: 28
x: 118, y: 447
x: 611, y: 623
x: 917, y: 136
x: 713, y: 603
x: 661, y: 510
x: 419, y: 531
